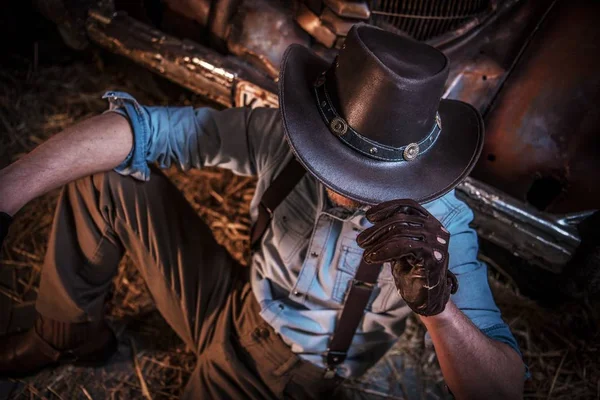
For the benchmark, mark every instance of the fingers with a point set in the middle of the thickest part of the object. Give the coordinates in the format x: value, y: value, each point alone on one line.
x: 404, y: 206
x: 392, y: 250
x: 409, y: 226
x: 398, y: 246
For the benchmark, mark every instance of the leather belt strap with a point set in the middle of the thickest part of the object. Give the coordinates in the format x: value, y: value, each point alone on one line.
x: 281, y: 186
x: 356, y: 302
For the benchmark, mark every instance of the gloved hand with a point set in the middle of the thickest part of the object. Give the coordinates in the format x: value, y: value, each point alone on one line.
x: 416, y: 245
x: 5, y: 221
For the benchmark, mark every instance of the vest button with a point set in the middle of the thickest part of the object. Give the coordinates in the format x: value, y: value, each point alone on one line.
x: 264, y: 332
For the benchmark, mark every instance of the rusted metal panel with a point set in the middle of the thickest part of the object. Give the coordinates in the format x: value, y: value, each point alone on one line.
x: 482, y: 56
x: 193, y: 66
x: 529, y: 69
x: 263, y: 44
x: 312, y: 24
x: 356, y: 9
x: 198, y: 10
x: 218, y: 20
x: 339, y: 25
x: 543, y: 136
x: 249, y: 95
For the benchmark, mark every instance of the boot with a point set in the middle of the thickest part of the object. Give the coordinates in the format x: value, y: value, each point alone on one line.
x: 50, y: 343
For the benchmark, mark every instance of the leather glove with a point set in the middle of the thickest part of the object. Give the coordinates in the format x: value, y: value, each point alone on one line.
x: 5, y: 221
x: 416, y: 245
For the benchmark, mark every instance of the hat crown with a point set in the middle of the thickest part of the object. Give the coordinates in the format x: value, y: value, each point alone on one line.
x: 388, y: 87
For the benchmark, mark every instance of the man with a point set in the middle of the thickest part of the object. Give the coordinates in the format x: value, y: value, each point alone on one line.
x: 369, y: 129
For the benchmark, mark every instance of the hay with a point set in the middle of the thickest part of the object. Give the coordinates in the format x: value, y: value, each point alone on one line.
x: 561, y: 346
x: 33, y: 106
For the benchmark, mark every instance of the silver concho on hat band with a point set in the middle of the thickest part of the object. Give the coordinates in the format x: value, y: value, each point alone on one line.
x: 411, y: 152
x: 321, y: 80
x: 338, y: 126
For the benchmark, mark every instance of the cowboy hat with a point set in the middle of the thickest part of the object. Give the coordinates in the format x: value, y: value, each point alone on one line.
x: 371, y: 125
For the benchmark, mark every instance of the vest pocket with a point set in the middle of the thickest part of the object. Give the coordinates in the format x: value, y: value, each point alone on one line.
x: 347, y: 266
x: 291, y: 227
x: 382, y: 296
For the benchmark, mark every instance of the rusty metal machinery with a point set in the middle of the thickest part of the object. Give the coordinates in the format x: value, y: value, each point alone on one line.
x: 526, y: 65
x: 543, y: 239
x: 543, y: 128
x: 329, y: 21
x: 428, y: 19
x: 531, y: 71
x: 263, y: 44
x: 202, y: 70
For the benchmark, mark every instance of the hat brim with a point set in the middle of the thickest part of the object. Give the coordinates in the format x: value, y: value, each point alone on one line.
x: 358, y: 176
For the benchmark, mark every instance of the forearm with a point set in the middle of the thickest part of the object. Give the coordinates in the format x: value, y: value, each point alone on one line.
x: 474, y: 366
x: 96, y: 144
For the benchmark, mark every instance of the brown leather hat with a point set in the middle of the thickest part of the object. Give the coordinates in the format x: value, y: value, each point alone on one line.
x: 371, y: 126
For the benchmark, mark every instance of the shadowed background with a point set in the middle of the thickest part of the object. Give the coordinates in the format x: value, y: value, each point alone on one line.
x: 44, y: 87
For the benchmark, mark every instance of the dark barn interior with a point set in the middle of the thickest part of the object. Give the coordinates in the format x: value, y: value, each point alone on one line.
x: 529, y: 67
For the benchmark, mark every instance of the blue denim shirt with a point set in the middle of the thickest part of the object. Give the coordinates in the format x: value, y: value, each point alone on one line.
x: 301, y: 273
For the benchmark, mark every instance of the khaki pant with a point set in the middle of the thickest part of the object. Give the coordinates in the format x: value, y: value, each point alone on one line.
x: 199, y: 289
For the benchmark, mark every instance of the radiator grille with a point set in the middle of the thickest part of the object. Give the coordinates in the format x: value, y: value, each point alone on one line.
x: 425, y: 19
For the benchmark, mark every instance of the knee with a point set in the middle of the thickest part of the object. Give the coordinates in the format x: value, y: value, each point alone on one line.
x: 89, y: 194
x: 93, y: 184
x: 124, y: 186
x: 112, y: 192
x: 98, y: 191
x: 109, y: 182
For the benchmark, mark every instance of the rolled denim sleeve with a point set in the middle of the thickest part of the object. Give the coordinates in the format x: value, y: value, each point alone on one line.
x: 246, y: 141
x: 474, y: 296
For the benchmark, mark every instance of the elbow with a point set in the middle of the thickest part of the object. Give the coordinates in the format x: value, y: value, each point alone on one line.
x: 513, y: 381
x: 517, y: 385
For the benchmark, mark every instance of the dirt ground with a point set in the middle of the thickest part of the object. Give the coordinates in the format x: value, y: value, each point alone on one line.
x: 560, y: 345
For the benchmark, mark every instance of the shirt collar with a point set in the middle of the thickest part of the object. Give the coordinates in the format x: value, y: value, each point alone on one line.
x: 356, y: 216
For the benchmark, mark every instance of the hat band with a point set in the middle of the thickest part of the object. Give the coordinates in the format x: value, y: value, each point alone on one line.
x: 358, y: 142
